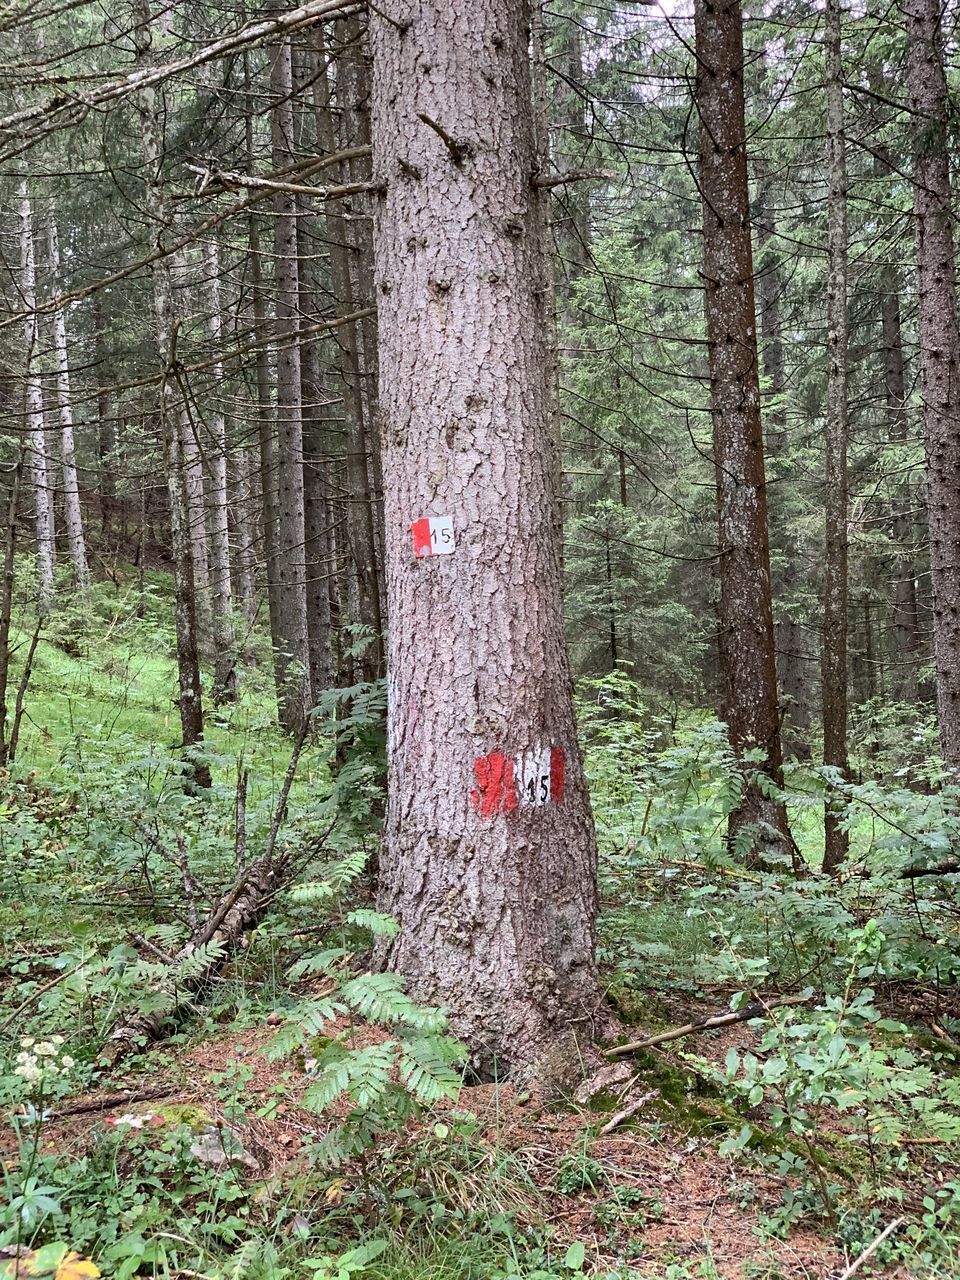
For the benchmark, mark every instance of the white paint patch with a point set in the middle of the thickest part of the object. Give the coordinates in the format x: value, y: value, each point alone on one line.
x: 433, y: 536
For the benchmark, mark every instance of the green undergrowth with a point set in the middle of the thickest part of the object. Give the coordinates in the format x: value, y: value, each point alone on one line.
x: 825, y: 1096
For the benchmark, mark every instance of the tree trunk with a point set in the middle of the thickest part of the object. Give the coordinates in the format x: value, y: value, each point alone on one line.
x: 747, y: 660
x: 833, y: 656
x: 6, y: 596
x: 289, y: 567
x: 350, y: 273
x: 939, y: 352
x: 792, y: 662
x: 192, y: 464
x: 188, y: 652
x: 265, y: 420
x: 489, y: 857
x: 905, y: 622
x: 106, y: 432
x: 39, y: 463
x: 224, y: 649
x: 71, y: 489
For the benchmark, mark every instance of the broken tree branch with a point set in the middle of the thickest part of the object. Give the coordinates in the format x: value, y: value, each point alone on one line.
x: 755, y: 1009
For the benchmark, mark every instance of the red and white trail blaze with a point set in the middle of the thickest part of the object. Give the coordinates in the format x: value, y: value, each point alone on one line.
x: 531, y: 779
x: 433, y: 536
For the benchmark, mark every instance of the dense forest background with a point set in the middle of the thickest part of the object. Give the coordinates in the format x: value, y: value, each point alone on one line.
x: 251, y: 1024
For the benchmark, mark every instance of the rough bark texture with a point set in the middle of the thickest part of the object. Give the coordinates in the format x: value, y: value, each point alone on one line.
x: 939, y: 352
x: 747, y: 659
x: 289, y: 566
x: 38, y: 462
x: 71, y: 489
x: 833, y: 655
x: 489, y: 854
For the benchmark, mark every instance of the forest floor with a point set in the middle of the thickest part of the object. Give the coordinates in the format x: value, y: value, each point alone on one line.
x: 204, y: 1156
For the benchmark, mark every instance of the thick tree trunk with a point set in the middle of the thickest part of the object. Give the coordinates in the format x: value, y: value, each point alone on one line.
x: 71, y: 490
x: 833, y: 656
x: 38, y: 466
x: 746, y: 617
x: 939, y: 352
x: 294, y: 694
x: 188, y: 652
x: 489, y: 856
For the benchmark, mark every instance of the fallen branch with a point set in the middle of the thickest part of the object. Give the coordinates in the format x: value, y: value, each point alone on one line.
x: 628, y: 1112
x: 234, y: 914
x: 948, y: 868
x: 855, y: 1266
x: 756, y: 1009
x: 111, y: 1100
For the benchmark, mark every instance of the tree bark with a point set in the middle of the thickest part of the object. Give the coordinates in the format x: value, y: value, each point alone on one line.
x: 294, y: 694
x: 224, y: 648
x: 905, y: 621
x: 792, y: 661
x: 38, y: 462
x: 106, y: 432
x: 6, y: 596
x: 351, y: 253
x: 71, y: 490
x: 833, y: 657
x: 939, y: 352
x: 747, y: 658
x: 489, y: 854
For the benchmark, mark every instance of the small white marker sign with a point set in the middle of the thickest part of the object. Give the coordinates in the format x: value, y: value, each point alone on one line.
x: 433, y: 536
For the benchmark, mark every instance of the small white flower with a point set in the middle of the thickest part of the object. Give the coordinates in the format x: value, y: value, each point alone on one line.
x: 27, y: 1042
x: 23, y: 1056
x: 29, y: 1071
x: 67, y: 1061
x: 45, y: 1050
x: 56, y: 1039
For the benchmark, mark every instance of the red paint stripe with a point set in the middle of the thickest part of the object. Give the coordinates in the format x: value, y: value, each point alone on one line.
x: 421, y: 537
x: 556, y: 774
x: 496, y: 789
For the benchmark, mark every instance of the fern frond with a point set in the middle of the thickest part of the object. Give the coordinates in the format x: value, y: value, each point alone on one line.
x: 375, y: 922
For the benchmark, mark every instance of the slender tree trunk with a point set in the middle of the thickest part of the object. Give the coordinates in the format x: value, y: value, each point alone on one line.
x: 106, y: 434
x: 293, y: 662
x: 224, y: 648
x: 939, y: 352
x: 244, y: 515
x: 350, y: 273
x: 71, y: 489
x: 6, y: 596
x: 833, y: 658
x: 793, y: 664
x: 905, y: 622
x: 266, y: 437
x: 489, y: 856
x: 192, y: 461
x: 188, y: 651
x: 38, y: 462
x: 747, y: 658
